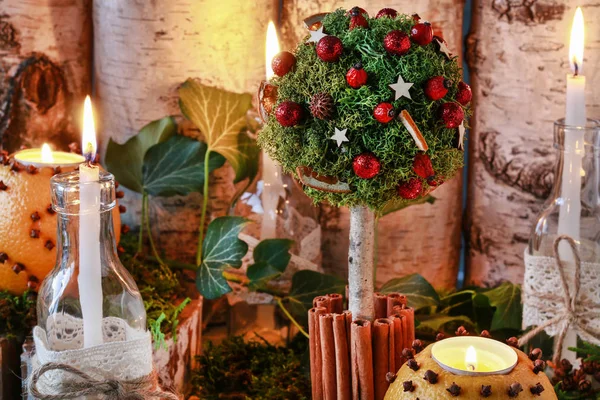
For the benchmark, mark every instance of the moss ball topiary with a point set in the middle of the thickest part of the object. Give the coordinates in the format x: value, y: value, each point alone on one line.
x: 416, y: 127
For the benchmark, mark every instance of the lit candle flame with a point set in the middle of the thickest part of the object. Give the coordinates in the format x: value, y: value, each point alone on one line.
x: 577, y: 43
x: 88, y: 140
x: 471, y: 358
x: 47, y: 156
x: 272, y: 48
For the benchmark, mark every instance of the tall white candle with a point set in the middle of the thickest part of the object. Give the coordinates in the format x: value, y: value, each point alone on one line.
x: 90, y: 272
x: 570, y: 207
x: 273, y: 188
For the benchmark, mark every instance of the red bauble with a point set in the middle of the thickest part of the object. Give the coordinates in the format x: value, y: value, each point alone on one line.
x: 356, y: 76
x: 357, y: 11
x: 358, y: 21
x: 452, y: 115
x: 366, y: 165
x: 422, y: 33
x: 437, y: 87
x: 422, y: 166
x: 283, y: 63
x: 396, y: 42
x: 410, y: 190
x: 384, y: 112
x: 387, y: 12
x: 329, y: 49
x: 464, y: 94
x: 289, y: 113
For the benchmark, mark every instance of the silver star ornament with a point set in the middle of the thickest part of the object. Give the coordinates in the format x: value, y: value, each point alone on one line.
x: 401, y: 88
x: 340, y: 136
x: 444, y: 48
x: 317, y: 35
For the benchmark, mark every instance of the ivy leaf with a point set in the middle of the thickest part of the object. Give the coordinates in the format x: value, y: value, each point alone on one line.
x: 399, y: 204
x: 125, y: 161
x: 271, y: 258
x: 176, y: 167
x: 419, y: 292
x: 306, y: 285
x: 506, y: 298
x: 221, y: 117
x: 221, y: 249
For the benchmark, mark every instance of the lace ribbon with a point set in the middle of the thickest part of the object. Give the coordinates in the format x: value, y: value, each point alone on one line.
x: 145, y: 387
x: 573, y: 313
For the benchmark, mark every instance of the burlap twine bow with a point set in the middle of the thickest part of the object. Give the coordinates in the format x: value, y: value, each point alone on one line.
x: 573, y: 312
x: 137, y: 389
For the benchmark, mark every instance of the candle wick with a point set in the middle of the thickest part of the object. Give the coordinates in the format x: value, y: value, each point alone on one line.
x: 471, y: 367
x: 576, y: 68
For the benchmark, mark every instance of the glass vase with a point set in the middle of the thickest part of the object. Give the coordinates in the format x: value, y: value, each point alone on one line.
x: 65, y: 291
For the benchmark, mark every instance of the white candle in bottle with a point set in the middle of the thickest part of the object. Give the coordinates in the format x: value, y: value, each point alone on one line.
x: 90, y: 271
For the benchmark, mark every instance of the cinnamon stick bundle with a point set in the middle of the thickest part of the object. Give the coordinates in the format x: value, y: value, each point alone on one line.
x: 380, y: 300
x: 409, y: 323
x: 397, y: 321
x: 328, y: 357
x: 362, y: 360
x: 322, y: 301
x: 316, y: 364
x: 348, y: 316
x: 336, y: 303
x: 342, y: 357
x: 383, y: 355
x: 395, y: 299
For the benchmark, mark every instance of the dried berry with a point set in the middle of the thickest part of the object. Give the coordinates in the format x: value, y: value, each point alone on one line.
x: 422, y: 166
x: 358, y: 21
x: 430, y: 376
x: 283, y: 63
x: 32, y: 170
x: 35, y: 216
x: 462, y: 331
x: 486, y: 390
x: 514, y: 389
x: 413, y: 364
x: 454, y: 389
x: 356, y: 11
x: 3, y: 257
x: 384, y: 112
x: 50, y: 210
x: 422, y: 33
x: 18, y: 267
x: 289, y: 113
x: 49, y: 245
x: 34, y: 234
x: 390, y: 377
x: 408, y: 386
x: 387, y: 13
x: 417, y: 345
x: 122, y: 209
x: 538, y: 366
x: 356, y: 76
x: 119, y: 194
x: 366, y: 165
x: 440, y: 336
x: 408, y: 353
x: 330, y: 48
x: 464, y: 94
x: 437, y: 87
x: 535, y: 354
x: 397, y: 43
x: 537, y: 389
x: 513, y: 342
x: 410, y: 190
x: 485, y: 334
x: 322, y: 106
x: 452, y: 114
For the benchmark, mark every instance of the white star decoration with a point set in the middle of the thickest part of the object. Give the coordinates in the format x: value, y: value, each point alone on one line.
x: 461, y: 135
x: 444, y: 48
x: 317, y: 35
x: 340, y: 136
x: 401, y: 88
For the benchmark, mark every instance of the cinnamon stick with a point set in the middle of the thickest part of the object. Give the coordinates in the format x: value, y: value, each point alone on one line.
x: 316, y: 364
x: 322, y: 301
x: 336, y: 303
x: 383, y: 355
x: 398, y: 339
x: 362, y: 360
x: 395, y: 299
x: 342, y: 357
x: 328, y: 354
x: 409, y: 323
x: 348, y: 316
x: 380, y: 301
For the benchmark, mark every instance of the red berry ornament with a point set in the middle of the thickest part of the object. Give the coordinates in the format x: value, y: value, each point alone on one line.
x: 357, y: 11
x: 396, y: 42
x: 366, y: 165
x: 356, y: 76
x: 387, y: 13
x: 464, y: 94
x: 329, y: 49
x: 289, y: 113
x: 437, y: 87
x: 358, y: 21
x: 384, y: 112
x: 452, y: 115
x: 422, y: 33
x: 410, y: 190
x: 422, y: 166
x: 283, y: 63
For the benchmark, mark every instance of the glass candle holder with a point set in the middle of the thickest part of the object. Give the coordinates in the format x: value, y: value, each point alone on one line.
x: 60, y: 297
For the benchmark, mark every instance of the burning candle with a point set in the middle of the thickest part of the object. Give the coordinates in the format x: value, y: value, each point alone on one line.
x: 273, y: 187
x: 90, y: 272
x: 474, y: 356
x: 45, y: 157
x: 570, y: 206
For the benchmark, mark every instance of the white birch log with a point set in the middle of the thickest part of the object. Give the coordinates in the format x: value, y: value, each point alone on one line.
x: 45, y: 71
x: 518, y: 57
x: 423, y: 239
x: 143, y: 51
x: 361, y: 257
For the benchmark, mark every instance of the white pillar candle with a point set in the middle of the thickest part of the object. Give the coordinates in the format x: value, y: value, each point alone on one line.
x: 90, y: 270
x: 570, y: 207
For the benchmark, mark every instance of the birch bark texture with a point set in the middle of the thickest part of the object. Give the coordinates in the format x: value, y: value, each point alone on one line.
x: 45, y: 71
x: 143, y: 51
x: 423, y: 239
x: 517, y: 54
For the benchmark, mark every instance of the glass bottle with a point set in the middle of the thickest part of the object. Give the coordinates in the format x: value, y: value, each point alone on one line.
x: 573, y: 207
x: 59, y: 299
